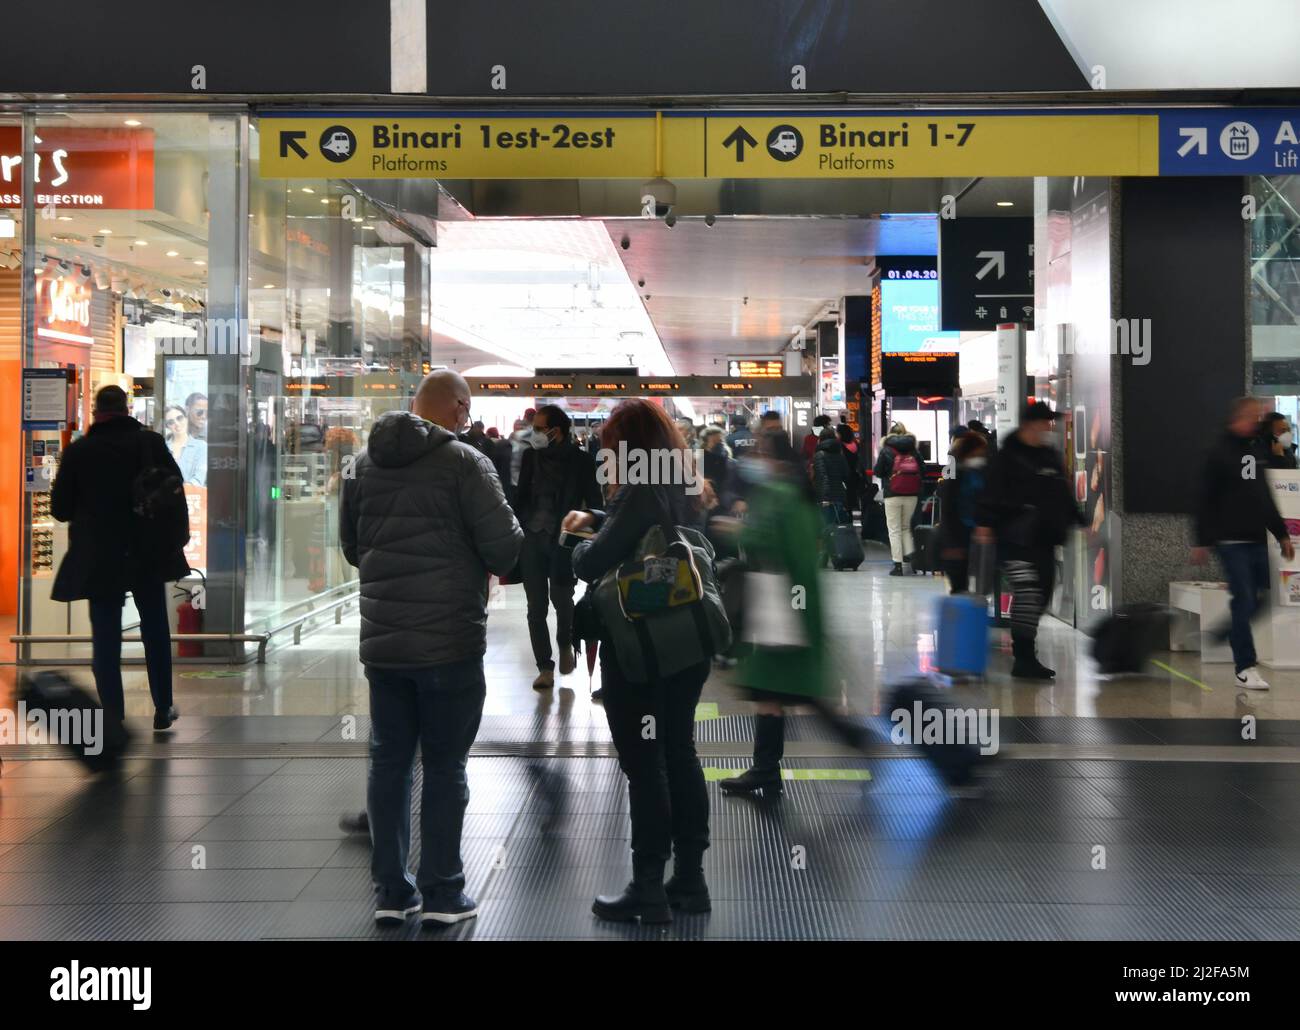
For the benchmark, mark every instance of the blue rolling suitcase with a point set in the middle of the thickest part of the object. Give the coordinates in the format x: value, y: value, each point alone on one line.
x: 963, y: 631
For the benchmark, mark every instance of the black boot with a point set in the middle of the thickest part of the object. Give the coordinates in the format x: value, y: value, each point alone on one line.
x: 769, y: 747
x: 897, y: 570
x: 1026, y: 665
x: 687, y: 889
x: 643, y: 898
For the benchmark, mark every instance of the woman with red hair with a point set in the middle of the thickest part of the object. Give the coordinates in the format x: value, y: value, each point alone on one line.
x: 668, y: 800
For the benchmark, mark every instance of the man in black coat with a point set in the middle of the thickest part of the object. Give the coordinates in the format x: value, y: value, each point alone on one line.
x: 1235, y: 515
x: 1028, y: 507
x: 555, y: 477
x: 113, y: 551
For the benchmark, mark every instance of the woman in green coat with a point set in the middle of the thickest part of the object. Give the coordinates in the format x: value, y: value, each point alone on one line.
x: 783, y: 658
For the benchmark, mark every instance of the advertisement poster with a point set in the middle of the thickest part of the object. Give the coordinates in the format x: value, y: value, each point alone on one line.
x: 196, y: 551
x: 185, y: 418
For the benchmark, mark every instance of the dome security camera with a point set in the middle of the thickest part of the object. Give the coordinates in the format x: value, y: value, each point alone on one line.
x: 664, y: 194
x: 641, y: 283
x: 670, y: 220
x: 709, y: 220
x: 625, y: 243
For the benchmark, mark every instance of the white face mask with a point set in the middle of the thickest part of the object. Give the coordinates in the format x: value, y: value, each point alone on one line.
x: 1285, y: 440
x: 1052, y: 439
x: 539, y: 440
x: 975, y: 463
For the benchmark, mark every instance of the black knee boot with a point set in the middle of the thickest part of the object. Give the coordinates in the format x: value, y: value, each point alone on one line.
x: 769, y: 747
x: 1026, y: 664
x: 644, y: 897
x: 687, y: 889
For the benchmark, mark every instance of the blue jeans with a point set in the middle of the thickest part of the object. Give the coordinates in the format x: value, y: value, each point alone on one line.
x: 155, y: 634
x: 1246, y: 566
x: 437, y: 708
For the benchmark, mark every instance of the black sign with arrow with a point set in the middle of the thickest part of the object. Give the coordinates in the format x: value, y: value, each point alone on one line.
x: 740, y: 139
x: 986, y: 272
x: 289, y: 141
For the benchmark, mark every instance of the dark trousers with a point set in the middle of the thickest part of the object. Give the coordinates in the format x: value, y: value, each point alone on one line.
x: 1246, y: 567
x: 665, y: 784
x: 957, y: 570
x: 155, y: 633
x: 547, y: 571
x: 1032, y: 575
x: 437, y: 708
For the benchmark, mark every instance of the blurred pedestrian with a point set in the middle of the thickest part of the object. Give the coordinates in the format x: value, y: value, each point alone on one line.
x: 1027, y: 508
x: 830, y: 476
x: 958, y: 501
x: 898, y: 471
x: 1235, y: 515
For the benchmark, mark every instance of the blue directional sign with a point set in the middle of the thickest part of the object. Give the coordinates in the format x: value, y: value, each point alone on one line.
x: 1230, y: 141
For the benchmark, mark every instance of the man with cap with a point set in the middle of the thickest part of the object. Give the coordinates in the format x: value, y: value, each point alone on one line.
x: 1028, y: 509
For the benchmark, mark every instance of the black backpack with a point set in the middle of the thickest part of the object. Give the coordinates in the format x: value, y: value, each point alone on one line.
x: 158, y: 500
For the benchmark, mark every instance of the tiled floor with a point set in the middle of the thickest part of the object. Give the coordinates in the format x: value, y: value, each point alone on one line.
x: 1173, y: 827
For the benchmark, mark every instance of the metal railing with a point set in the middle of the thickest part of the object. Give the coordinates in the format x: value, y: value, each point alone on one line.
x: 337, y: 606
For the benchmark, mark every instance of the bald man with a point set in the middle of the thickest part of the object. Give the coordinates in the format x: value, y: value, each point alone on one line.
x: 424, y: 519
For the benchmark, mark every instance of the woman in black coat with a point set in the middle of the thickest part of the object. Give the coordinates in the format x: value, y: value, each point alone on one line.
x: 668, y: 800
x: 112, y: 551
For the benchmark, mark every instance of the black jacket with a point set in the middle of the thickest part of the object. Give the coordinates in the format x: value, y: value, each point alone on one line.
x: 1234, y: 505
x: 424, y: 520
x: 580, y: 491
x: 904, y: 443
x: 109, y: 550
x: 830, y: 471
x: 633, y: 510
x: 719, y: 469
x: 1028, y: 500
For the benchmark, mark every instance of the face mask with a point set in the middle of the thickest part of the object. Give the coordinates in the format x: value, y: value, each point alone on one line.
x: 975, y: 463
x: 539, y: 440
x: 1285, y: 440
x: 1052, y: 439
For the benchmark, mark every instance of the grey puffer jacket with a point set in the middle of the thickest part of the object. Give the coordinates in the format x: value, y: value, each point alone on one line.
x: 424, y: 520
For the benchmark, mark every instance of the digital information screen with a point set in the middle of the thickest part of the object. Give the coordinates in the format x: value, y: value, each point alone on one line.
x: 909, y: 317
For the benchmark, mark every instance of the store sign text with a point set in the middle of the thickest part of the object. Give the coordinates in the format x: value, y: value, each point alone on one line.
x: 81, y: 168
x: 63, y: 310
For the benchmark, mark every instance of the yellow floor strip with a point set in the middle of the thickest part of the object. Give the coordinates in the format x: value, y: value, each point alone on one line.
x: 1181, y: 676
x: 713, y: 773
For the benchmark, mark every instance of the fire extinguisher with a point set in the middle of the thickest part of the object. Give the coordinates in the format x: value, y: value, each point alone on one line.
x: 189, y: 619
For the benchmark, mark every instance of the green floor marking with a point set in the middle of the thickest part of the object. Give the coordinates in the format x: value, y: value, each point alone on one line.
x: 1181, y: 676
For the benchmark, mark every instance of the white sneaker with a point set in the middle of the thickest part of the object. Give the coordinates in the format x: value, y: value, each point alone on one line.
x: 1251, y: 679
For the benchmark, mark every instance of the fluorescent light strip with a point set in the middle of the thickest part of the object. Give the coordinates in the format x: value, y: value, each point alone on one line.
x: 55, y: 334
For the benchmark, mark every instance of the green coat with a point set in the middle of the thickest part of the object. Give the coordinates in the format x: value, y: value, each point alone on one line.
x: 781, y: 534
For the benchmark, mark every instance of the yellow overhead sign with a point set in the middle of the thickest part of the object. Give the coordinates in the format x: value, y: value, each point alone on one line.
x: 469, y: 147
x: 643, y: 145
x: 920, y: 145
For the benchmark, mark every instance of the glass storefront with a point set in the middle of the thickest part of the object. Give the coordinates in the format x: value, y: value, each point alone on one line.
x: 260, y: 325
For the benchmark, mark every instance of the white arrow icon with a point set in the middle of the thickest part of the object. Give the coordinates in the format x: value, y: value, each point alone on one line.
x: 1195, y: 138
x: 997, y: 259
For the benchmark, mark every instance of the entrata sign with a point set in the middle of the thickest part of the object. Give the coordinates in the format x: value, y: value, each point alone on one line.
x: 81, y: 168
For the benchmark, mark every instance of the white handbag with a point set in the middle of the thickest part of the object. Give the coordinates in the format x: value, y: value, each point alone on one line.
x: 771, y: 619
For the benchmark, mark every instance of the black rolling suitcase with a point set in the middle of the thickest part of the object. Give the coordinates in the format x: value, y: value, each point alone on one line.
x: 96, y: 741
x: 844, y: 547
x: 925, y: 537
x: 1123, y: 642
x: 954, y: 762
